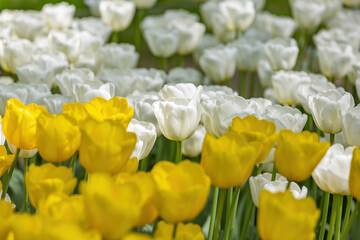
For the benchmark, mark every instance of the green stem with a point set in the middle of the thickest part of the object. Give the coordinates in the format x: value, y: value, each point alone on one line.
x: 345, y: 84
x: 9, y: 174
x: 332, y: 139
x: 354, y: 92
x: 178, y: 156
x: 25, y: 161
x: 252, y: 84
x: 164, y: 63
x: 230, y: 218
x: 115, y: 37
x: 213, y: 213
x: 219, y: 213
x: 273, y: 176
x: 338, y: 217
x: 181, y: 61
x: 333, y: 217
x: 258, y: 170
x: 347, y: 211
x: 86, y: 176
x: 346, y: 231
x: 313, y: 190
x: 72, y: 162
x: 247, y: 220
x: 242, y: 83
x: 174, y: 230
x: 144, y: 164
x: 159, y: 150
x: 324, y: 211
x: 139, y: 17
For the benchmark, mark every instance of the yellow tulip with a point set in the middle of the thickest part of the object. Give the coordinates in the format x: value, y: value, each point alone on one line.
x: 105, y: 146
x: 229, y: 159
x: 354, y: 180
x: 113, y: 209
x: 188, y: 231
x: 131, y: 166
x: 76, y: 111
x: 297, y: 154
x: 137, y: 236
x: 262, y: 131
x: 116, y: 109
x: 27, y: 227
x: 58, y: 137
x: 146, y: 184
x: 19, y: 124
x: 46, y: 179
x: 6, y: 211
x: 182, y: 190
x: 5, y: 160
x: 282, y: 216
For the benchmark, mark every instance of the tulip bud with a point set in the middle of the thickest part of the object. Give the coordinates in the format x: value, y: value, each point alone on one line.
x: 117, y: 14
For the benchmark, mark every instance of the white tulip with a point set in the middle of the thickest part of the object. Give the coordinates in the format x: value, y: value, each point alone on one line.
x: 2, y: 136
x: 144, y: 4
x: 333, y: 171
x: 23, y: 152
x: 220, y: 30
x: 58, y: 16
x: 307, y: 14
x: 328, y: 107
x: 259, y: 5
x: 54, y: 103
x: 146, y: 137
x: 87, y: 91
x: 269, y: 93
x: 248, y: 54
x: 184, y: 75
x: 15, y: 53
x: 68, y: 78
x: 121, y: 55
x: 277, y: 26
x: 6, y: 31
x: 219, y: 63
x: 281, y: 53
x: 338, y: 138
x: 286, y: 117
x: 179, y: 14
x: 259, y: 105
x: 28, y: 24
x: 178, y: 115
x: 238, y: 14
x: 219, y: 112
x: 162, y: 41
x: 89, y: 47
x: 332, y: 8
x: 335, y: 60
x: 208, y: 41
x: 92, y: 25
x: 286, y: 83
x: 94, y: 7
x: 66, y: 41
x: 345, y: 19
x: 215, y: 91
x: 265, y: 73
x: 347, y: 36
x: 5, y: 80
x: 354, y: 73
x: 36, y: 92
x: 263, y: 181
x: 257, y: 34
x: 118, y: 14
x: 351, y: 126
x: 11, y: 91
x: 192, y: 146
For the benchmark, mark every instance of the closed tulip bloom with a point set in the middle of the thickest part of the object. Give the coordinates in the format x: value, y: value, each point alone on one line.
x: 277, y: 26
x: 328, y: 107
x: 113, y: 209
x: 351, y: 126
x: 265, y: 73
x: 24, y: 153
x: 67, y: 41
x: 54, y: 103
x: 5, y: 160
x: 88, y: 91
x: 248, y: 54
x: 76, y: 111
x: 28, y: 24
x: 207, y: 41
x: 58, y: 16
x: 229, y: 159
x: 256, y: 130
x: 116, y: 109
x: 146, y: 137
x: 94, y: 26
x: 281, y: 53
x: 179, y: 113
x: 354, y: 183
x: 181, y: 190
x: 20, y: 123
x: 282, y: 216
x: 58, y: 137
x: 145, y: 182
x: 219, y: 63
x: 46, y: 179
x: 121, y: 55
x: 162, y: 41
x: 117, y: 14
x: 6, y: 213
x: 105, y: 146
x: 286, y: 117
x: 192, y: 146
x: 332, y: 173
x: 63, y: 230
x: 238, y: 15
x: 307, y: 14
x: 70, y: 77
x: 335, y: 60
x: 183, y: 231
x: 263, y: 181
x: 220, y: 30
x: 297, y: 154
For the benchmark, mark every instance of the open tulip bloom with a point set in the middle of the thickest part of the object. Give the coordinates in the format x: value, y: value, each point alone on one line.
x: 142, y: 120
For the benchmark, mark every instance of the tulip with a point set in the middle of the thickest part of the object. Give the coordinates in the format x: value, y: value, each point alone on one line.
x: 286, y: 117
x: 146, y: 137
x: 238, y: 15
x: 328, y: 107
x: 24, y: 153
x: 46, y: 179
x: 354, y: 183
x: 62, y: 230
x: 350, y: 122
x: 207, y: 41
x: 144, y: 4
x: 88, y: 91
x: 162, y: 42
x: 219, y: 63
x: 121, y: 55
x: 184, y: 75
x: 117, y: 14
x: 54, y: 103
x: 192, y: 146
x: 20, y: 123
x: 58, y: 16
x: 279, y: 211
x: 76, y: 111
x: 257, y: 34
x: 263, y: 181
x: 94, y: 7
x: 113, y: 209
x: 248, y: 54
x: 259, y: 105
x: 94, y: 26
x: 297, y: 154
x: 105, y: 146
x: 6, y: 213
x: 58, y: 137
x: 2, y: 137
x: 66, y: 41
x: 178, y: 114
x: 5, y: 160
x: 183, y: 231
x: 332, y: 173
x: 69, y: 77
x: 265, y: 73
x: 115, y: 109
x: 146, y: 184
x: 307, y: 14
x: 332, y: 8
x: 215, y: 91
x: 255, y: 130
x: 278, y: 26
x: 281, y: 53
x: 229, y: 159
x: 15, y: 53
x: 28, y: 24
x: 220, y: 30
x: 335, y: 60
